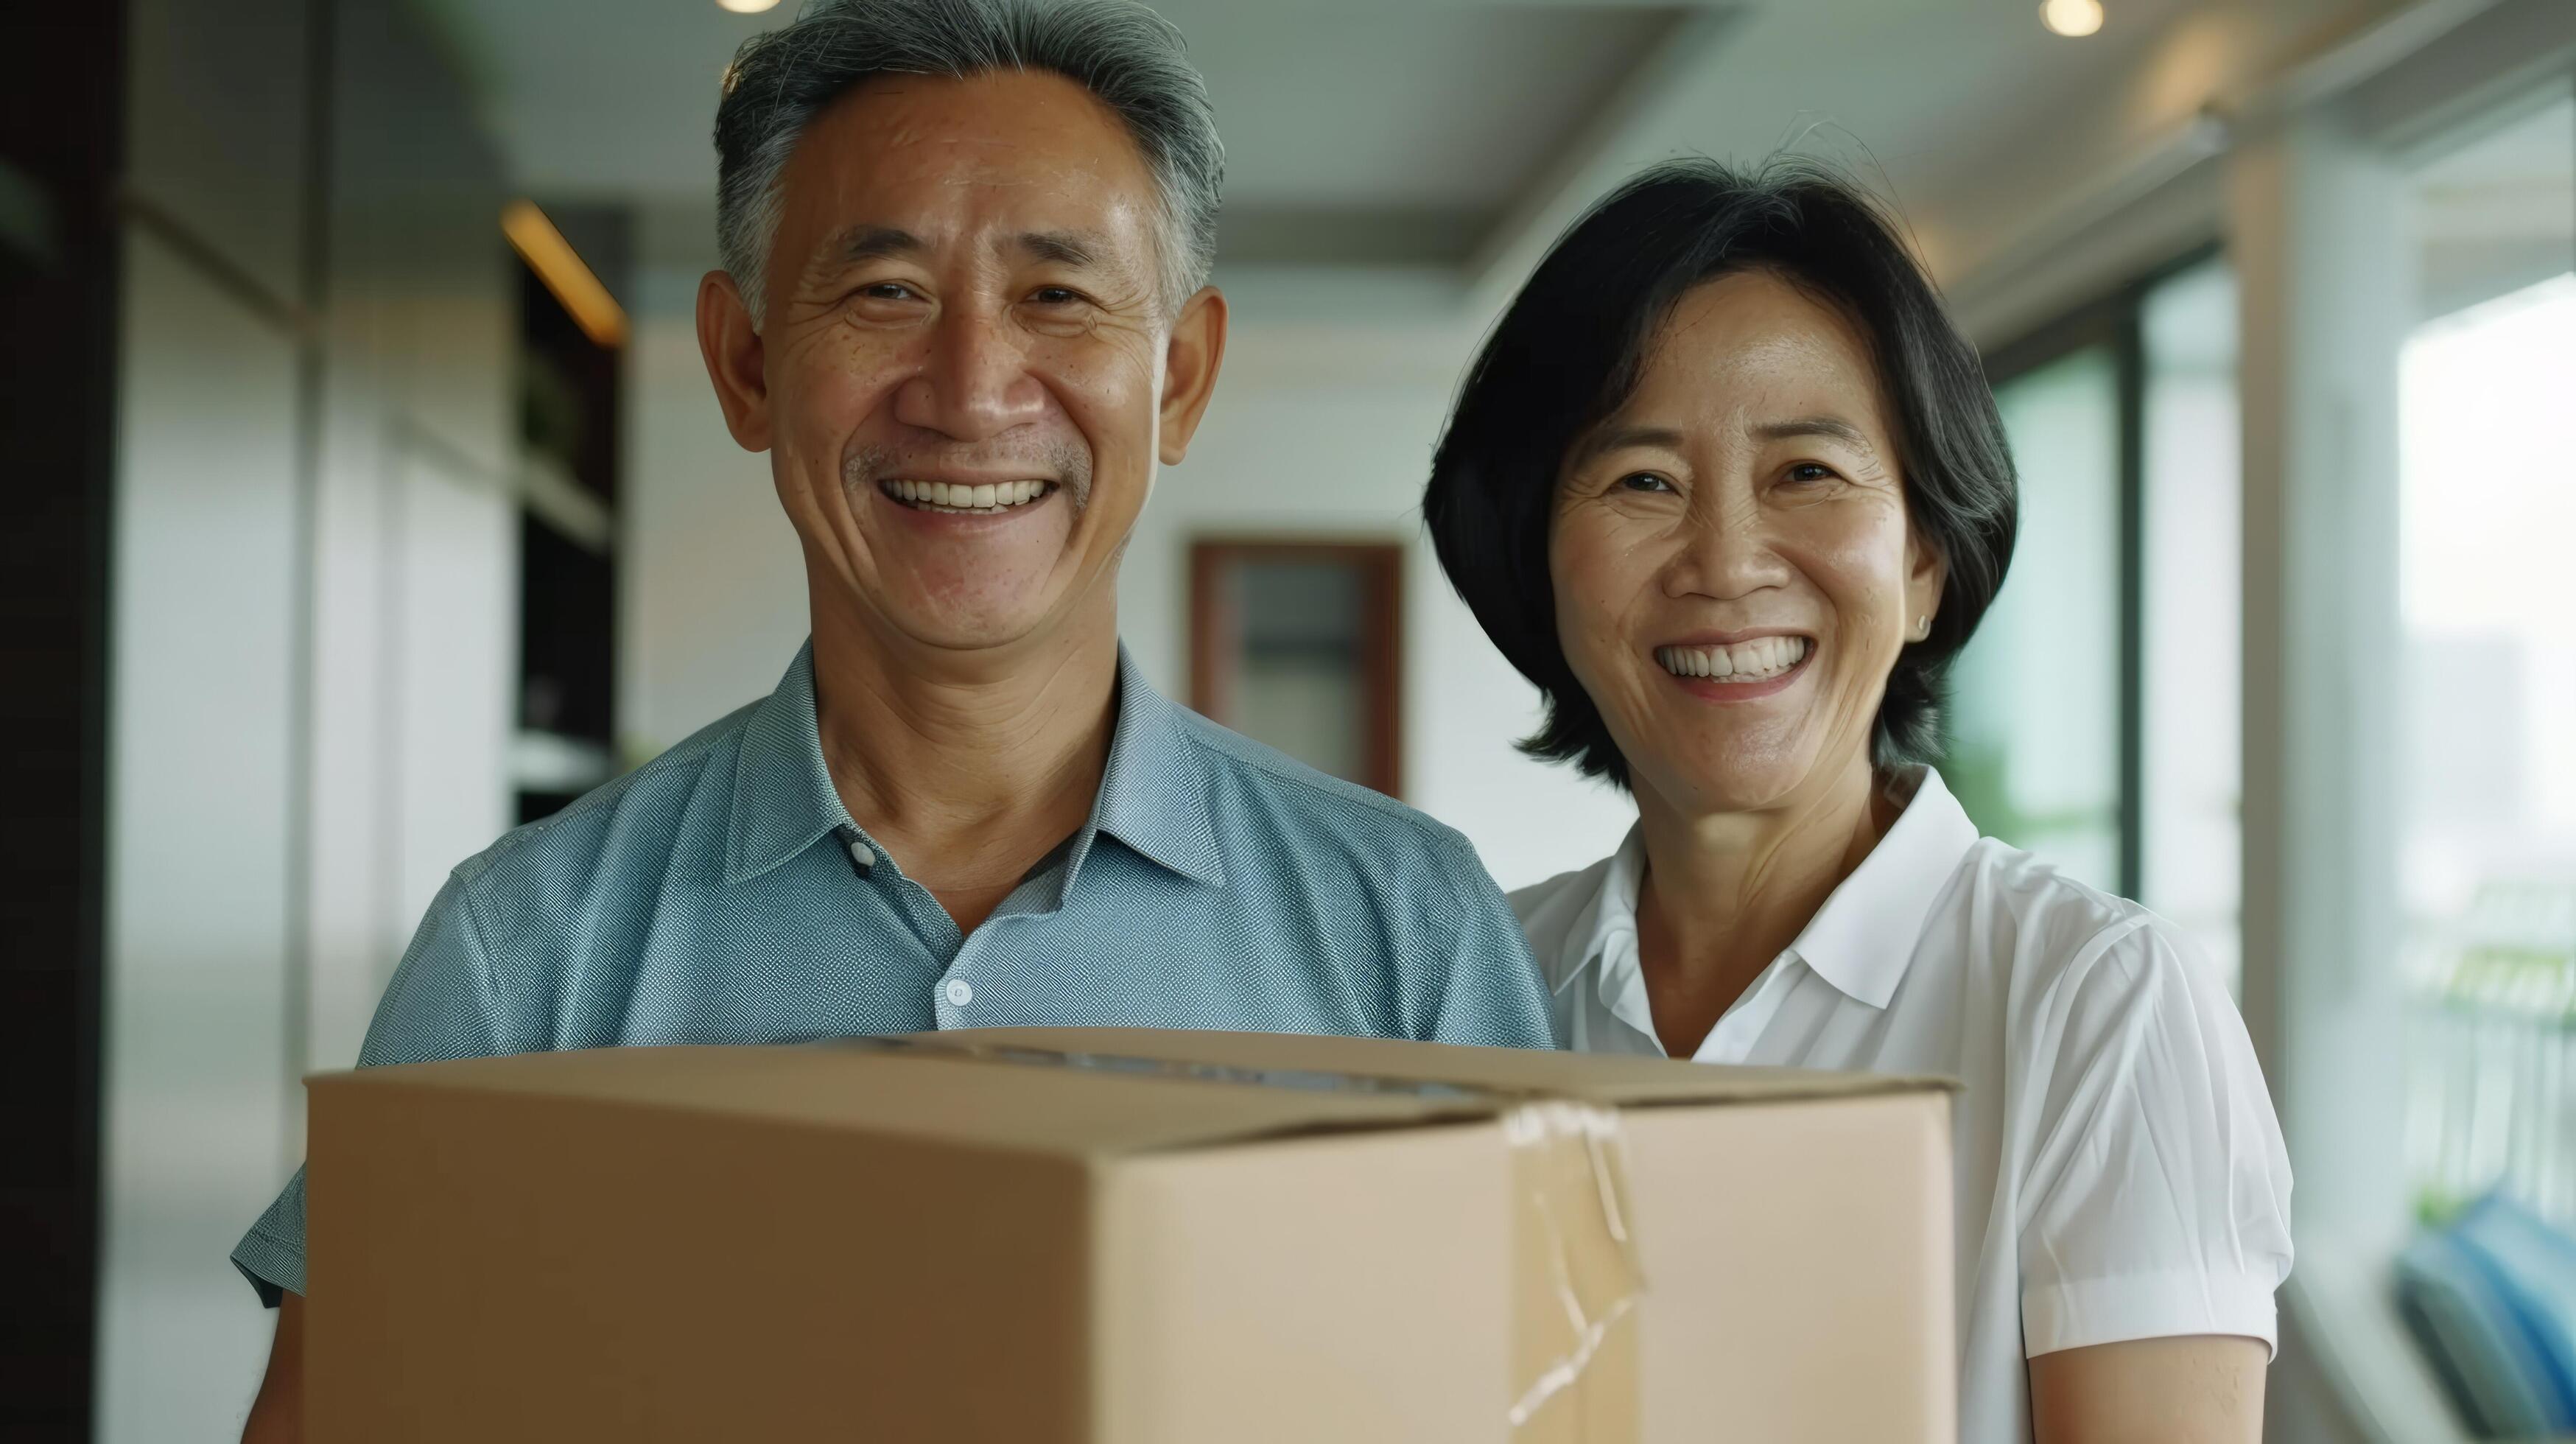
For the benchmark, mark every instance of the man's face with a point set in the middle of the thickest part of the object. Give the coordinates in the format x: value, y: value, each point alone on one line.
x: 961, y: 377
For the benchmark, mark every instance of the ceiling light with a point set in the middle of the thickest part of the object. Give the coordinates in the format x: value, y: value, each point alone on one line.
x: 575, y: 286
x: 747, y: 7
x: 2072, y: 17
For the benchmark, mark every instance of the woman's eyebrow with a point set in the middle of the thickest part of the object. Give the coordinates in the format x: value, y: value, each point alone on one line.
x: 1620, y: 437
x: 1832, y: 427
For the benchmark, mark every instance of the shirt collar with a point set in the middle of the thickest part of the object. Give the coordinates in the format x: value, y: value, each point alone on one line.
x: 1861, y: 940
x: 783, y: 798
x: 1603, y: 939
x: 1152, y: 793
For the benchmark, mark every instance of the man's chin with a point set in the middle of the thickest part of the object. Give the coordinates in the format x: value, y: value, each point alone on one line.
x: 990, y: 626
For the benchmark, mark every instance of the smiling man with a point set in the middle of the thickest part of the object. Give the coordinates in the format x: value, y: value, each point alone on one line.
x: 964, y: 310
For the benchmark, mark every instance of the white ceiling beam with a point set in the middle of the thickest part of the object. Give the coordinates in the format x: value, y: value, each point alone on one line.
x: 1636, y: 126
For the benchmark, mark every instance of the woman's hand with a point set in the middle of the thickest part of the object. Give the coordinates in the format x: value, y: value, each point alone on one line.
x: 2199, y: 1389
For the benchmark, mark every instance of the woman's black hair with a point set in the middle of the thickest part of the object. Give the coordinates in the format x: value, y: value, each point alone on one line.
x: 1569, y: 352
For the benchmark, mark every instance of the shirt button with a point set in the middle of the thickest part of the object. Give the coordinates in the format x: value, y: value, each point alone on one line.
x: 862, y: 854
x: 960, y: 992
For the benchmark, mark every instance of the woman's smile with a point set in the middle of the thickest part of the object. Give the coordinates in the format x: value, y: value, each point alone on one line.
x: 1746, y: 670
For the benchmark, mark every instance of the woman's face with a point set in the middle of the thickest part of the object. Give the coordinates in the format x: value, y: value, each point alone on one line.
x: 1734, y: 570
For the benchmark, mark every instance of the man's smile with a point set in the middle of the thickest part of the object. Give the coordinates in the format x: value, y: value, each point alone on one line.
x: 962, y: 498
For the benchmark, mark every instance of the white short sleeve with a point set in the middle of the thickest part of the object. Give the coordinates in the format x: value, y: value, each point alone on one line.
x: 2156, y: 1200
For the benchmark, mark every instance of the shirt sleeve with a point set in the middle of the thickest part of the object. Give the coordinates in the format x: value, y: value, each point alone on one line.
x: 442, y: 1003
x: 1490, y: 994
x: 2157, y: 1201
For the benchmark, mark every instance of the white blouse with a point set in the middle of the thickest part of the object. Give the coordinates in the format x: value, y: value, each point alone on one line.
x: 2119, y: 1171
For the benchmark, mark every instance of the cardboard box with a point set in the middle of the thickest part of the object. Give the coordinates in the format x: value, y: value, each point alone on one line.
x: 1126, y: 1235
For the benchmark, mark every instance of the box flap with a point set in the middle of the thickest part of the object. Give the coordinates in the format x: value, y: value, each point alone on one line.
x: 1621, y: 1080
x: 1103, y: 1091
x: 936, y: 1095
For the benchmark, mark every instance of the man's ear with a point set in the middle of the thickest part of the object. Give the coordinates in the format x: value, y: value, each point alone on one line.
x: 736, y: 361
x: 1190, y: 362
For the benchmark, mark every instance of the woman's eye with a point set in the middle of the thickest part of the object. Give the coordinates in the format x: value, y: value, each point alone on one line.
x: 1644, y: 481
x: 1809, y: 472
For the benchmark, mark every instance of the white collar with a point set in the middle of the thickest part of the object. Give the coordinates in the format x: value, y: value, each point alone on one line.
x: 1861, y: 940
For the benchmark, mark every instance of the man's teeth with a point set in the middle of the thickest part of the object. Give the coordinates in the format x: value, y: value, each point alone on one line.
x: 957, y: 496
x: 1759, y: 660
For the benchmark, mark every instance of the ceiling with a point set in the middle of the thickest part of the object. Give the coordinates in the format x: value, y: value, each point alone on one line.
x: 1462, y: 133
x: 2497, y: 212
x: 614, y: 100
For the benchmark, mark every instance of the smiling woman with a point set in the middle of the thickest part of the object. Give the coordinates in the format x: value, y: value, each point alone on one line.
x: 1728, y: 486
x: 1596, y: 308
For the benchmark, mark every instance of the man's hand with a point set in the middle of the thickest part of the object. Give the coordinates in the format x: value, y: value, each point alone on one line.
x: 2200, y: 1389
x: 277, y: 1415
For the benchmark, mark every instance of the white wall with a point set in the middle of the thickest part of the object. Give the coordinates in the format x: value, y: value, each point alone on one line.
x: 1327, y: 426
x: 314, y: 584
x: 198, y: 1082
x: 1334, y: 390
x: 415, y: 545
x: 711, y: 589
x: 197, y: 1077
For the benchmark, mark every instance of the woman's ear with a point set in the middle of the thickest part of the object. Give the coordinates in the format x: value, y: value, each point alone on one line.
x: 1190, y: 362
x: 736, y: 361
x: 1926, y: 573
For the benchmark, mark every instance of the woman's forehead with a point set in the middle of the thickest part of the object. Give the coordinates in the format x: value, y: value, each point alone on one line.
x: 1751, y: 350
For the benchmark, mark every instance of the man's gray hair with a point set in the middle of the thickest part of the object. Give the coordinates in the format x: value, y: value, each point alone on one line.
x: 1123, y: 53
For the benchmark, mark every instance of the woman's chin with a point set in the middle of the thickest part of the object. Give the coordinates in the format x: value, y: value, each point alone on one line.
x: 1707, y: 789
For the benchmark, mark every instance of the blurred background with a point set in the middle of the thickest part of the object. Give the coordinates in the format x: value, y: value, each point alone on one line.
x: 367, y: 497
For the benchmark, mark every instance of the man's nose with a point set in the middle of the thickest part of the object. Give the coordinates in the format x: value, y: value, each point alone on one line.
x: 974, y: 384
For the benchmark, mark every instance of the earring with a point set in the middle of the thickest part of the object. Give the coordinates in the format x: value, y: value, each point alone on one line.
x: 1922, y: 628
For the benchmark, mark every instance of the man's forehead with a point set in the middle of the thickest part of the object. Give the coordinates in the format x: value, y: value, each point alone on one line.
x: 1001, y: 128
x: 929, y: 158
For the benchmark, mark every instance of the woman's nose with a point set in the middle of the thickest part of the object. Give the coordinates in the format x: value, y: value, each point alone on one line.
x: 1727, y: 552
x: 974, y: 383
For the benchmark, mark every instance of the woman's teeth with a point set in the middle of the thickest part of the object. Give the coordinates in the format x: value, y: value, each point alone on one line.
x: 1759, y: 660
x: 986, y: 497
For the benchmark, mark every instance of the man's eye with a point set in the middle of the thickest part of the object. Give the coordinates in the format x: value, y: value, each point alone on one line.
x: 887, y: 291
x: 1055, y: 296
x: 1644, y: 481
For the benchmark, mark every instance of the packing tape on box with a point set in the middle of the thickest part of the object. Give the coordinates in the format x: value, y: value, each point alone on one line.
x: 1574, y: 1323
x: 1576, y: 1280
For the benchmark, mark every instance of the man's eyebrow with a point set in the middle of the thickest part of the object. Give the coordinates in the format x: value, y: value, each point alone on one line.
x: 871, y: 243
x: 1068, y: 248
x: 1832, y: 427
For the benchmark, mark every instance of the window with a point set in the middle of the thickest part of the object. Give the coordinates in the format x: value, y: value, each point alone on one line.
x: 2094, y: 720
x: 2190, y: 715
x: 2487, y: 600
x: 2036, y: 697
